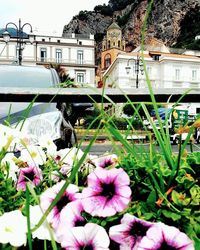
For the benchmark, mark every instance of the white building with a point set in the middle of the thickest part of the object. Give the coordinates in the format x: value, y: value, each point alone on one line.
x: 164, y: 69
x: 75, y: 52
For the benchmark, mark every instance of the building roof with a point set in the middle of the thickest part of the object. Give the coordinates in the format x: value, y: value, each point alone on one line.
x: 114, y: 25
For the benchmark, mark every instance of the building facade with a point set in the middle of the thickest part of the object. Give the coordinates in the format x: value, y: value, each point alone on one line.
x: 113, y: 43
x: 75, y: 53
x: 164, y: 70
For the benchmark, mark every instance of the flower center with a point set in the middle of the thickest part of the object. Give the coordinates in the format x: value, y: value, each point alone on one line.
x: 107, y: 163
x: 87, y: 247
x: 29, y: 176
x: 138, y: 229
x: 79, y: 222
x: 165, y: 246
x: 64, y: 200
x: 108, y: 190
x: 58, y: 158
x: 33, y: 154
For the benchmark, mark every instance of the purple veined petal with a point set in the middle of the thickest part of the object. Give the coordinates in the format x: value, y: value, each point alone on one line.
x: 118, y: 203
x: 103, y: 197
x: 96, y: 177
x: 123, y: 191
x: 162, y: 236
x: 91, y: 235
x: 119, y: 233
x: 48, y: 196
x: 174, y: 237
x: 106, y: 161
x: 130, y: 232
x: 30, y: 174
x: 71, y: 216
x: 95, y: 205
x: 122, y: 178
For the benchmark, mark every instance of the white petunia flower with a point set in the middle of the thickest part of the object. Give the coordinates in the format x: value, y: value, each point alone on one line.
x: 43, y: 232
x: 9, y: 160
x: 13, y: 228
x: 33, y: 155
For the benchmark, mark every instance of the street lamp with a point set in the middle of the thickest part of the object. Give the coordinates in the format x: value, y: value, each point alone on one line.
x: 20, y: 37
x: 138, y: 68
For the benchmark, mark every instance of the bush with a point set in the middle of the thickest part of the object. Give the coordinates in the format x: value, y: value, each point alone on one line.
x: 104, y: 10
x: 83, y: 15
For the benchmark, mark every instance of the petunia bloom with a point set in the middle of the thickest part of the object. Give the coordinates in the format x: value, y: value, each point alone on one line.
x: 31, y: 174
x: 106, y: 161
x: 70, y: 216
x: 43, y: 232
x: 48, y: 196
x: 91, y: 237
x: 161, y: 236
x: 107, y: 192
x: 13, y: 228
x: 9, y: 166
x: 33, y: 155
x: 130, y: 232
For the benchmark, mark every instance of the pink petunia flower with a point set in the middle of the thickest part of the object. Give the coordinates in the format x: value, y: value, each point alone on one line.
x: 91, y: 237
x: 70, y: 216
x: 31, y: 174
x: 161, y: 236
x: 106, y: 161
x: 48, y: 196
x: 130, y: 232
x: 107, y: 192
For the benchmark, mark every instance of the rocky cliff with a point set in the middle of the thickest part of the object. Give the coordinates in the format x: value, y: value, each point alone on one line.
x: 169, y: 20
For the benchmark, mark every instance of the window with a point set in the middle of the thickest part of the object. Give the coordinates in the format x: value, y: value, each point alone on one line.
x: 58, y: 55
x: 194, y: 75
x: 43, y: 54
x: 177, y: 74
x: 80, y: 77
x: 80, y: 56
x: 119, y: 44
x: 149, y: 70
x: 156, y: 57
x: 43, y: 40
x: 109, y: 44
x: 107, y: 61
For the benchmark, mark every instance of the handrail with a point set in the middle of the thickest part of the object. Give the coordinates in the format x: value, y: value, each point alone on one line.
x: 87, y: 94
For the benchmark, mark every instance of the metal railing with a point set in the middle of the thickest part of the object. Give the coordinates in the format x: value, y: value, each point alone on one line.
x: 98, y: 95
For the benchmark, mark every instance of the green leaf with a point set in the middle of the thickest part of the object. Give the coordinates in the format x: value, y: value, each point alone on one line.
x: 180, y: 198
x: 171, y: 215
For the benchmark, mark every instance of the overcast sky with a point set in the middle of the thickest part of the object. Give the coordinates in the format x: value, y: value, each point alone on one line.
x: 47, y: 16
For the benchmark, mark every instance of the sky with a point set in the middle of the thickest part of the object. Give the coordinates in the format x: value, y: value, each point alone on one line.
x: 45, y: 16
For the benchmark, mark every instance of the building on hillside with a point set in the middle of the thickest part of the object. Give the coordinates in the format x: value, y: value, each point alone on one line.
x: 75, y: 53
x: 165, y: 68
x: 112, y: 44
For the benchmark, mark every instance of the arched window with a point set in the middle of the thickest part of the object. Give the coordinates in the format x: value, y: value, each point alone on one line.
x: 119, y: 44
x: 109, y: 44
x: 107, y: 61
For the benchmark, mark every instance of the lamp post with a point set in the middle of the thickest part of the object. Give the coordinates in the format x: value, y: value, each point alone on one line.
x: 20, y: 37
x: 138, y: 68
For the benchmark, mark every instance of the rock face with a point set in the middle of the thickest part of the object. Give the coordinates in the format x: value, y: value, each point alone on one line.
x: 164, y: 22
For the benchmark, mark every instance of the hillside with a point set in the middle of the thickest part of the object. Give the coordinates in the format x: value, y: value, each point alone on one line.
x: 175, y: 22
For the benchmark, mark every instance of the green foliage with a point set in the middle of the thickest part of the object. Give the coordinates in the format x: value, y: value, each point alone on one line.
x: 189, y: 29
x: 122, y: 20
x: 83, y: 15
x: 120, y: 4
x: 98, y: 37
x: 105, y: 10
